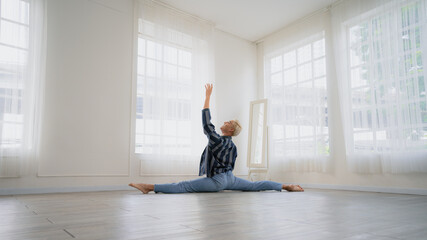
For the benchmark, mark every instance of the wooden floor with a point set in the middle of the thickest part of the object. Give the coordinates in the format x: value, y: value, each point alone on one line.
x: 314, y: 214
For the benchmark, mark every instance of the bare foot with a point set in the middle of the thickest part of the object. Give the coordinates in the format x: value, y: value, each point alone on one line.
x: 144, y: 188
x: 293, y: 188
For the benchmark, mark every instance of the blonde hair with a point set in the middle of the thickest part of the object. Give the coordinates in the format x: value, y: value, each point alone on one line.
x: 237, y: 127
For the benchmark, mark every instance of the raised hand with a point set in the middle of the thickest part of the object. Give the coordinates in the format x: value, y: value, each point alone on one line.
x: 208, y: 88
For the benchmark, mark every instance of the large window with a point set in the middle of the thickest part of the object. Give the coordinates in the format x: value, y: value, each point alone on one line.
x: 386, y: 52
x: 164, y: 95
x: 22, y: 62
x: 296, y: 79
x: 173, y: 63
x: 14, y: 53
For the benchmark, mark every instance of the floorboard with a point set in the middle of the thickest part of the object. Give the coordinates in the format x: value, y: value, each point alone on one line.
x: 314, y: 214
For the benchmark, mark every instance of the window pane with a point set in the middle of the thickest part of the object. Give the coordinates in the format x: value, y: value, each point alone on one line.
x: 289, y: 59
x: 319, y: 67
x: 15, y: 10
x: 319, y: 48
x: 362, y: 98
x: 292, y: 147
x: 184, y: 75
x: 141, y: 47
x: 276, y: 64
x: 183, y: 128
x: 170, y: 72
x: 154, y: 50
x: 307, y: 146
x: 277, y: 131
x: 184, y: 92
x: 13, y: 56
x: 355, y: 56
x: 305, y: 72
x: 171, y: 55
x: 290, y: 76
x: 141, y: 66
x: 359, y: 77
x: 363, y: 141
x: 304, y: 54
x: 306, y: 131
x: 169, y: 126
x: 154, y: 68
x: 320, y: 83
x: 12, y: 131
x: 139, y: 105
x: 276, y: 79
x: 184, y: 58
x: 13, y: 34
x: 292, y: 131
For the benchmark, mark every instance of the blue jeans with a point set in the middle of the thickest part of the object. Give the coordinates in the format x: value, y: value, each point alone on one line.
x: 219, y: 182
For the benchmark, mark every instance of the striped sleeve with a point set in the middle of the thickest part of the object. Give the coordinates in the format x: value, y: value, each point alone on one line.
x: 208, y: 127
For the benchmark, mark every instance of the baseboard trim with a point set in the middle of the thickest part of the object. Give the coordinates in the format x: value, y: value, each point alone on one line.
x: 21, y: 191
x: 414, y: 191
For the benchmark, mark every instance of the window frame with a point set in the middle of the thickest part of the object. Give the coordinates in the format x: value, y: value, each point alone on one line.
x: 298, y: 107
x: 167, y: 102
x: 14, y: 102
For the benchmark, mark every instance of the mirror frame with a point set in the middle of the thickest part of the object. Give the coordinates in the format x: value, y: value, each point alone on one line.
x: 264, y: 163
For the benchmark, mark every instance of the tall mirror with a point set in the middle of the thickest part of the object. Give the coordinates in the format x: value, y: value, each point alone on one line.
x: 257, y: 134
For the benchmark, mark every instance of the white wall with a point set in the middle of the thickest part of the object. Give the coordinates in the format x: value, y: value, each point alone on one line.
x: 88, y: 99
x: 235, y: 87
x: 87, y: 104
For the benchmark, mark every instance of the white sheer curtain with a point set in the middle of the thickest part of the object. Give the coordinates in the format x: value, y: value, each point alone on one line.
x: 381, y: 59
x: 296, y: 85
x: 174, y: 62
x: 22, y: 44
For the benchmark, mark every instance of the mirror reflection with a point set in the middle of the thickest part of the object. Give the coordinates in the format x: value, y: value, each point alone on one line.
x: 257, y: 134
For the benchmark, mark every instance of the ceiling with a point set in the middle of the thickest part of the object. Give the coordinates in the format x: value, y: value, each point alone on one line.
x: 249, y: 19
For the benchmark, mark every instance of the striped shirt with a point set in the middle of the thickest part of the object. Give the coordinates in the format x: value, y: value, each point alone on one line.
x: 220, y: 154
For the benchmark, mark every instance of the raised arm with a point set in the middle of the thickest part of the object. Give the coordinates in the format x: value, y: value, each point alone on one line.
x: 208, y: 88
x: 208, y: 127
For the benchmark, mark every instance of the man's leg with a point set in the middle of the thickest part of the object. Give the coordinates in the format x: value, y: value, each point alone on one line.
x: 245, y: 185
x: 214, y: 184
x: 197, y: 185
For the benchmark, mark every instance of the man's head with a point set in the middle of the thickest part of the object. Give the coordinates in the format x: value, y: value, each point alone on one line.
x: 231, y: 128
